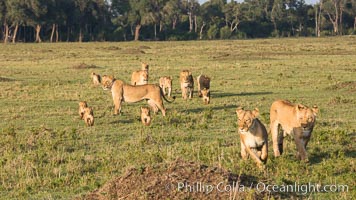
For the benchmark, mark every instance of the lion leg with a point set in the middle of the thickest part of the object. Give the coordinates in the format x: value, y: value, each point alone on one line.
x: 161, y: 107
x: 163, y: 90
x: 300, y: 143
x: 254, y: 156
x: 117, y: 103
x: 169, y: 91
x: 152, y: 104
x: 274, y: 132
x: 264, y: 152
x: 191, y: 90
x: 243, y: 151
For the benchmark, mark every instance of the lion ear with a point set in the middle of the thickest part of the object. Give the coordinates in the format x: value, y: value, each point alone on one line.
x: 315, y: 109
x: 300, y: 107
x: 111, y: 77
x: 239, y: 110
x: 256, y: 112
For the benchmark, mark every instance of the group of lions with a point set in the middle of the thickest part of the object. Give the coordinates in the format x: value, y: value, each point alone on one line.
x: 294, y: 119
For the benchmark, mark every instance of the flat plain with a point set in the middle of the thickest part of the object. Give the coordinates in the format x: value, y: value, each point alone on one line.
x: 47, y: 152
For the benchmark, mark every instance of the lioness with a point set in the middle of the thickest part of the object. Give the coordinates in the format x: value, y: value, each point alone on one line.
x: 131, y: 94
x: 82, y: 106
x: 186, y: 84
x: 253, y: 136
x: 165, y: 82
x: 139, y: 77
x: 204, y: 88
x: 295, y: 119
x: 88, y: 116
x: 96, y: 78
x: 145, y: 116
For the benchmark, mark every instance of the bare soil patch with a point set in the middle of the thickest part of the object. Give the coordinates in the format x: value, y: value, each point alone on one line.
x: 177, y: 180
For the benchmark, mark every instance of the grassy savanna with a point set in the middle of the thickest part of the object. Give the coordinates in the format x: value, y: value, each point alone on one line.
x: 47, y: 152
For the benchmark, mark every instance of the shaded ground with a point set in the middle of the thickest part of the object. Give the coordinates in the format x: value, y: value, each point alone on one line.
x: 84, y: 66
x: 178, y: 180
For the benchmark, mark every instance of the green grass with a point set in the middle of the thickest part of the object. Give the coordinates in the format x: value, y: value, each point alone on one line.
x: 48, y: 153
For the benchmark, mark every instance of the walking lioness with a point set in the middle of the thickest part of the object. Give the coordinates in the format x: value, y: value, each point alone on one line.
x: 296, y: 120
x: 253, y: 136
x: 122, y: 92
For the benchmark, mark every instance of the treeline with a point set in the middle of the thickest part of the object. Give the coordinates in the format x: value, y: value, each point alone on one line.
x: 121, y: 20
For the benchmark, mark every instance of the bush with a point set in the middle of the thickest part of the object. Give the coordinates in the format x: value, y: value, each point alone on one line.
x: 225, y: 33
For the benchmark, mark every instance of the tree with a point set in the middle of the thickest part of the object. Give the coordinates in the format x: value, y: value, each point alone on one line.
x: 233, y: 15
x: 16, y: 15
x: 172, y: 11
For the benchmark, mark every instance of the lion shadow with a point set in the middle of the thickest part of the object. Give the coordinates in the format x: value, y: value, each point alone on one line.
x: 215, y: 108
x: 229, y: 94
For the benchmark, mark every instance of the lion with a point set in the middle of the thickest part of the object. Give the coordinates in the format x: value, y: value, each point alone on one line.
x: 253, y: 136
x: 96, y: 78
x: 88, y: 116
x: 296, y: 120
x: 186, y: 84
x: 82, y: 106
x: 122, y: 92
x: 204, y: 88
x: 140, y: 77
x: 145, y: 116
x: 165, y: 82
x: 144, y: 66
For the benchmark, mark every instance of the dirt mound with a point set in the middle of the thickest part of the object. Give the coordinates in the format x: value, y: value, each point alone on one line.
x: 84, y: 66
x: 178, y: 180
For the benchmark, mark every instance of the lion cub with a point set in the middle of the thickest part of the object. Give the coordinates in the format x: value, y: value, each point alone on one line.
x: 82, y: 106
x: 253, y: 136
x: 165, y: 82
x: 204, y: 88
x: 96, y: 78
x: 186, y: 84
x: 296, y: 120
x: 86, y: 113
x: 88, y: 116
x: 145, y: 116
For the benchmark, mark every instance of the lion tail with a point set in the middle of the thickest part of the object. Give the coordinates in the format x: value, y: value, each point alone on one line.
x: 174, y: 97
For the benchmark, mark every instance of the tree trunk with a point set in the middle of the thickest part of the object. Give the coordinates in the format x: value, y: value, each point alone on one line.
x: 80, y: 35
x: 355, y: 24
x: 57, y: 34
x: 155, y: 30
x: 6, y: 37
x: 38, y: 30
x: 201, y: 31
x: 137, y: 32
x: 190, y: 22
x: 160, y: 26
x: 15, y: 33
x: 174, y: 23
x: 195, y: 24
x: 52, y: 33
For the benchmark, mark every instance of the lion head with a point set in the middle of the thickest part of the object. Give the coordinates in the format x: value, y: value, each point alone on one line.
x: 246, y: 118
x: 206, y: 95
x: 107, y: 82
x: 306, y: 116
x: 145, y: 116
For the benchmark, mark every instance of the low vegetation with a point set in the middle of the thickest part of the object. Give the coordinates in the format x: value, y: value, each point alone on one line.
x: 47, y: 151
